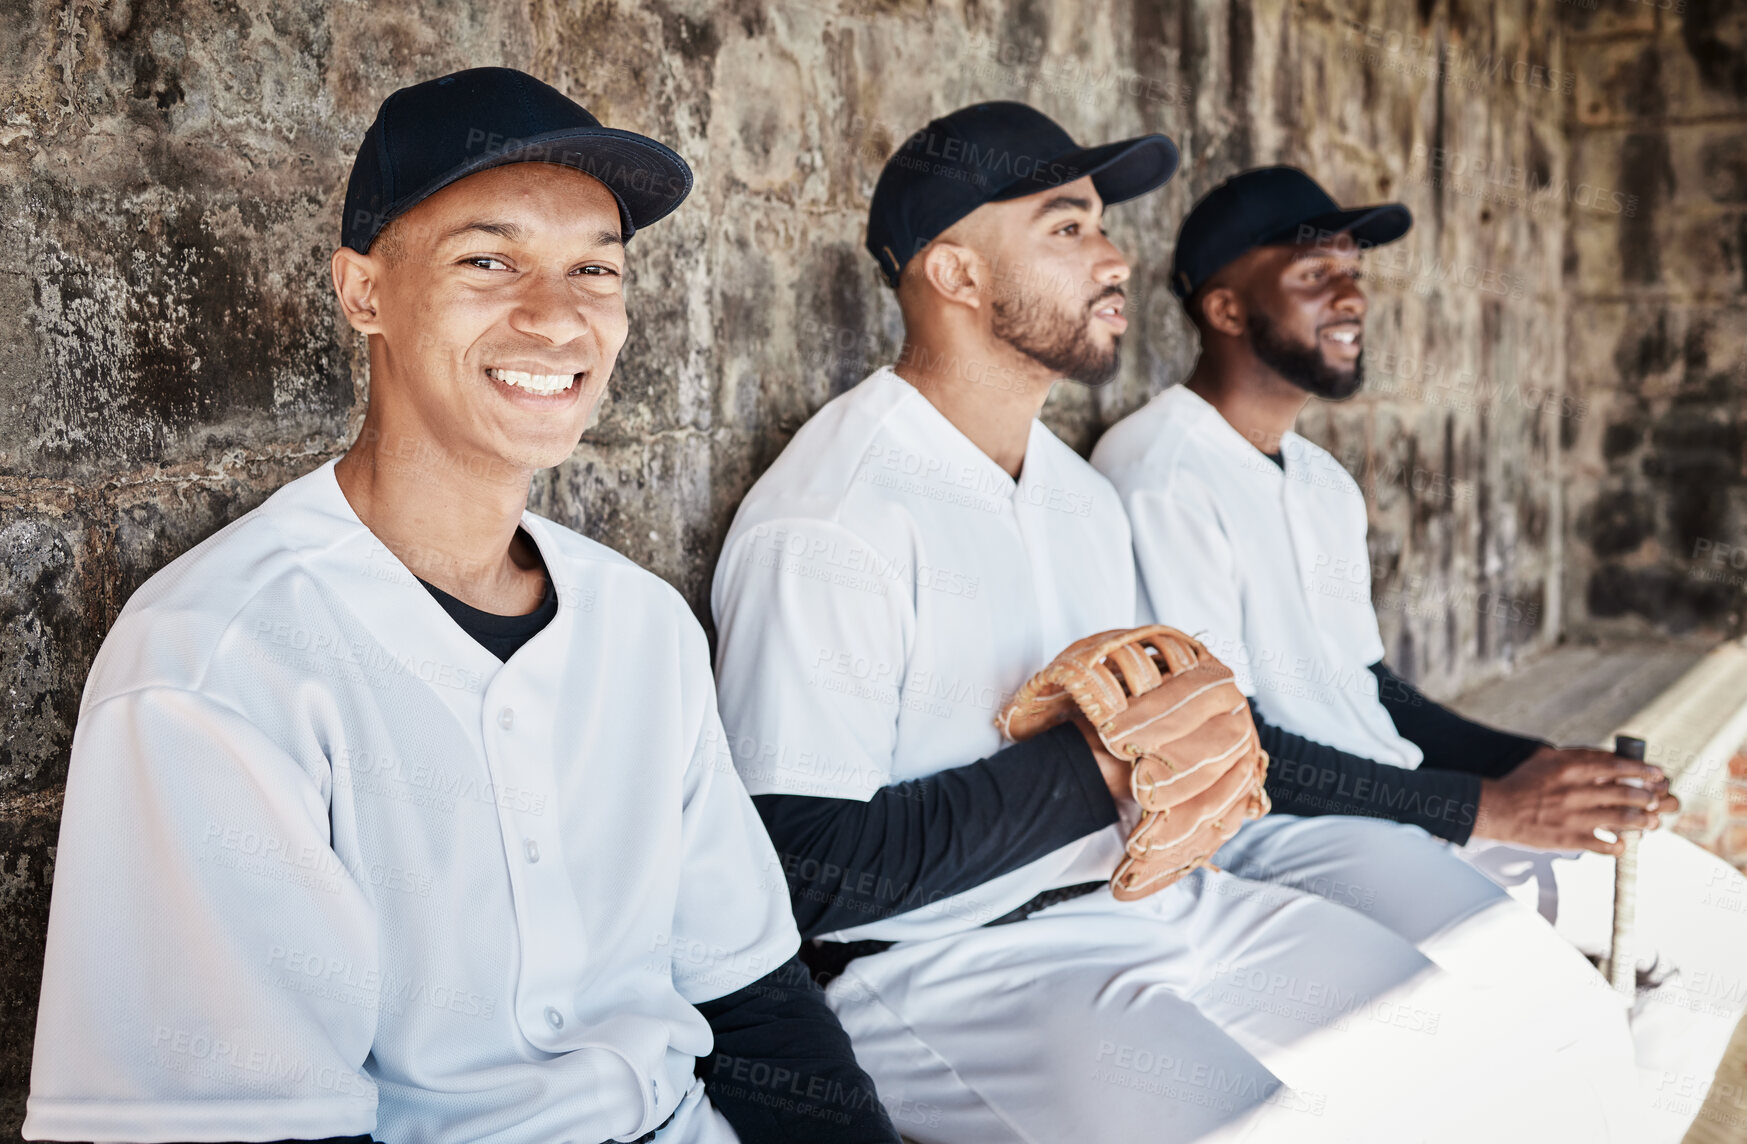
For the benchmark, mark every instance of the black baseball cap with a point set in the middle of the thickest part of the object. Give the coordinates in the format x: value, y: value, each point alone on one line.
x: 434, y: 133
x: 988, y: 153
x: 1264, y: 207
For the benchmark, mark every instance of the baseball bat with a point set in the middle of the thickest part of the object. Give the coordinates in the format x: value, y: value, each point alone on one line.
x: 1622, y: 959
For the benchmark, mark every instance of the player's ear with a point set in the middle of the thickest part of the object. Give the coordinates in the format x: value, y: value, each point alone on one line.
x: 357, y: 283
x: 1224, y: 311
x: 955, y: 272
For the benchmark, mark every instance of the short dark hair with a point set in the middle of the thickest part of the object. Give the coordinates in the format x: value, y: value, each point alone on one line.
x: 1192, y: 307
x: 390, y: 241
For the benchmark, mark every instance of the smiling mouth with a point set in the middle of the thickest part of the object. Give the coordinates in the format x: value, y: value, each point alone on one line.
x: 544, y: 384
x: 1345, y: 335
x: 1110, y: 309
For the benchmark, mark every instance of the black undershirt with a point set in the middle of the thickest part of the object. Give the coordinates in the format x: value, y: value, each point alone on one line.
x: 914, y: 843
x: 782, y: 1069
x: 776, y: 1041
x: 1308, y: 778
x: 1450, y: 742
x: 502, y: 636
x: 1442, y: 795
x: 849, y: 863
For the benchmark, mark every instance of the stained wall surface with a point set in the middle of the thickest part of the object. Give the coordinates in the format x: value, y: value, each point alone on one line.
x: 171, y: 174
x: 1657, y: 269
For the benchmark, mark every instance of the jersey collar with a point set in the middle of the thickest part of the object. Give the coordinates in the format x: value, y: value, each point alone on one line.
x: 922, y: 414
x: 1220, y: 433
x: 388, y: 601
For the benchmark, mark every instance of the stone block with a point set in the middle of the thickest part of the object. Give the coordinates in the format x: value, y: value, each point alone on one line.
x: 1584, y: 20
x: 54, y: 588
x: 153, y: 521
x: 1692, y: 68
x: 1685, y: 255
x: 649, y: 501
x: 174, y: 325
x: 29, y: 824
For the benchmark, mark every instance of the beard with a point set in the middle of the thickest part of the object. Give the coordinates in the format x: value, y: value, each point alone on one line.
x: 1303, y: 365
x: 1057, y: 339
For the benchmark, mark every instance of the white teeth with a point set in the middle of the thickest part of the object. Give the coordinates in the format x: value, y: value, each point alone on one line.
x: 543, y: 383
x: 1346, y: 337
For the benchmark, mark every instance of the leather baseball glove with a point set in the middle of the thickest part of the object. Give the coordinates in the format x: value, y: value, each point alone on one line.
x: 1159, y: 699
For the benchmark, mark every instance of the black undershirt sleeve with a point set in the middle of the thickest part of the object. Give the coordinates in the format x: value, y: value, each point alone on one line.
x: 782, y: 1069
x: 1449, y: 741
x: 913, y: 843
x: 1309, y: 778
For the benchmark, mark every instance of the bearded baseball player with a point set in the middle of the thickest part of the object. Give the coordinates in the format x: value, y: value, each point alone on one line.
x: 1253, y: 537
x: 1009, y: 965
x: 397, y: 810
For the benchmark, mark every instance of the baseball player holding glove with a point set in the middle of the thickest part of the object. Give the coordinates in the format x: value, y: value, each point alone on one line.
x: 1249, y: 533
x: 924, y: 565
x: 397, y: 810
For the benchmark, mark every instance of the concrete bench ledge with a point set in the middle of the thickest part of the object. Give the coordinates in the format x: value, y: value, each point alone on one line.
x: 1578, y: 694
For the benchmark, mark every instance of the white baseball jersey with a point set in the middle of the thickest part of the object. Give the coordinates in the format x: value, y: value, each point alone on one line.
x: 328, y: 867
x: 1212, y: 516
x: 884, y: 589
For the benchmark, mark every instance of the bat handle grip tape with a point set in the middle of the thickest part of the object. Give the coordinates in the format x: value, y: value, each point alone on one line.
x: 1622, y: 955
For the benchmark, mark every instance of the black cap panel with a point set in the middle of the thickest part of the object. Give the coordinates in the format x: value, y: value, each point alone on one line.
x: 1141, y: 165
x: 427, y: 136
x: 1367, y: 226
x: 1265, y: 207
x: 993, y: 152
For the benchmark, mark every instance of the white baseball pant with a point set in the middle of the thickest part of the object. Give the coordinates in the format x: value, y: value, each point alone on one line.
x: 1219, y: 1010
x: 1691, y: 937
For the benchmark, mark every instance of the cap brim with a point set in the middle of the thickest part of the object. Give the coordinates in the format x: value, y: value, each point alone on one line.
x: 1119, y: 171
x: 1368, y: 226
x: 648, y: 179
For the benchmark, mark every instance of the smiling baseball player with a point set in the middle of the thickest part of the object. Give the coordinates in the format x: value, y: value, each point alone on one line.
x: 396, y: 809
x: 920, y: 548
x: 1253, y: 537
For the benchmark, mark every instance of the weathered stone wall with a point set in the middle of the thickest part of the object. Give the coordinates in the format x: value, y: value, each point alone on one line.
x: 1456, y: 437
x: 1657, y: 270
x: 1657, y: 278
x: 170, y: 183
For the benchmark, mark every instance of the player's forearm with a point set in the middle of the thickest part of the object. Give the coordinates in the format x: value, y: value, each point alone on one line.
x: 782, y: 1068
x: 913, y: 843
x: 1450, y: 742
x: 1310, y: 778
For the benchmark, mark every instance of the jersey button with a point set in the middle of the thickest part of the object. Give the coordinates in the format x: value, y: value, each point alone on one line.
x: 506, y: 718
x: 532, y: 849
x: 554, y: 1018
